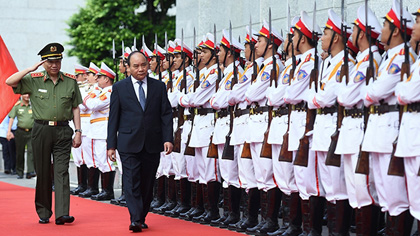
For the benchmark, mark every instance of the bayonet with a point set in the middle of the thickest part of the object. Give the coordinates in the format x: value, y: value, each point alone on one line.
x: 122, y: 48
x: 113, y: 49
x: 135, y: 43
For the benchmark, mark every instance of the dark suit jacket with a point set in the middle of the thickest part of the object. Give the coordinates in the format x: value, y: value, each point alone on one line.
x: 130, y: 129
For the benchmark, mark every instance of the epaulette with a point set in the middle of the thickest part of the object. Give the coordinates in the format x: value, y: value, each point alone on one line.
x: 402, y: 52
x: 17, y: 103
x: 69, y: 75
x: 308, y: 57
x: 37, y: 74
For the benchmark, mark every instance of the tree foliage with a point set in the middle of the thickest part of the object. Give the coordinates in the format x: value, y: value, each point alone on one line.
x: 94, y: 27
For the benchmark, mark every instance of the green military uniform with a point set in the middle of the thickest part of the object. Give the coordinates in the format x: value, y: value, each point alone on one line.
x: 23, y: 137
x: 52, y: 109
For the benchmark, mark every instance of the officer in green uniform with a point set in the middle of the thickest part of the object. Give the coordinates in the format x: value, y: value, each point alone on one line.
x: 55, y: 97
x: 23, y: 112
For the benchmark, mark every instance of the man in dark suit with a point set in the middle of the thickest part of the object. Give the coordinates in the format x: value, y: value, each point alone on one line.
x: 140, y: 127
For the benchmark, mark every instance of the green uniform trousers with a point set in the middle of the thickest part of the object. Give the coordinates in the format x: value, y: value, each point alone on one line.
x: 52, y: 141
x: 22, y: 139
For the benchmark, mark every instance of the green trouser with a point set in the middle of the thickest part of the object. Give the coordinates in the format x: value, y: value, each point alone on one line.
x: 23, y: 138
x: 55, y: 141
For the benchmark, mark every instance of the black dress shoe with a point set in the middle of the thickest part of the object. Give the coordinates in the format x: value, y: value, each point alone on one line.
x: 144, y: 226
x: 30, y: 175
x: 7, y: 172
x: 135, y: 227
x: 20, y: 177
x: 44, y: 221
x: 64, y: 219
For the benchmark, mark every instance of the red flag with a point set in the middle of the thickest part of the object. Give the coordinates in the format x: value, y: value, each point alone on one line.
x: 7, y: 68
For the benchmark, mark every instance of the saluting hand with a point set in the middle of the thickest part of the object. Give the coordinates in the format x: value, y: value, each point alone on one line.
x: 167, y: 147
x: 111, y: 154
x: 38, y: 64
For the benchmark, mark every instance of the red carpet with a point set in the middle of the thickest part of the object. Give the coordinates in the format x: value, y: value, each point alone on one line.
x: 18, y: 217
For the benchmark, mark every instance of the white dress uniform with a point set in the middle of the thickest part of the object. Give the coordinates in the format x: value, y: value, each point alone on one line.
x: 307, y: 178
x: 240, y: 131
x: 203, y: 126
x: 361, y: 189
x: 190, y: 163
x: 179, y: 159
x: 408, y: 147
x: 173, y: 161
x: 83, y: 154
x: 332, y: 177
x: 258, y: 123
x: 219, y: 100
x: 98, y: 103
x: 165, y: 164
x: 283, y: 171
x: 382, y: 130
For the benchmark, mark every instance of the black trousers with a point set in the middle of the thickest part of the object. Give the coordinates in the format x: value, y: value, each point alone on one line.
x: 9, y: 153
x: 139, y: 171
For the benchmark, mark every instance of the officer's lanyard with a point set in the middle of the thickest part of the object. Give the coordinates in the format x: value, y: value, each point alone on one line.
x: 333, y: 72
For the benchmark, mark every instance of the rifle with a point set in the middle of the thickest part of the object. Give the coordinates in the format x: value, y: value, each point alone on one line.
x: 157, y: 59
x: 190, y: 150
x: 303, y: 149
x: 169, y: 85
x: 228, y: 150
x: 266, y: 150
x: 332, y: 158
x: 177, y: 138
x: 285, y: 154
x: 213, y: 152
x: 115, y: 60
x: 246, y: 150
x: 396, y: 164
x: 362, y: 166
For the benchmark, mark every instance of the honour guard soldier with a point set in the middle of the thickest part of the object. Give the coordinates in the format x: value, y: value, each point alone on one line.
x: 171, y: 72
x: 408, y: 94
x: 360, y: 187
x: 307, y: 180
x: 51, y: 134
x: 98, y: 103
x: 203, y: 125
x: 93, y: 172
x: 78, y: 155
x: 324, y: 100
x: 156, y: 67
x: 148, y: 53
x: 240, y: 132
x: 123, y: 66
x: 182, y: 186
x: 283, y: 171
x: 383, y: 124
x: 22, y: 111
x: 228, y: 56
x: 258, y: 123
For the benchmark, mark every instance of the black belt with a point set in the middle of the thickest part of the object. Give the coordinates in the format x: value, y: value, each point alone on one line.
x: 382, y: 109
x: 258, y: 110
x: 174, y: 112
x: 52, y: 123
x: 281, y: 111
x: 413, y: 107
x: 204, y: 111
x: 301, y: 106
x: 26, y: 130
x: 354, y: 113
x: 240, y: 112
x: 187, y: 117
x: 222, y: 113
x: 326, y: 110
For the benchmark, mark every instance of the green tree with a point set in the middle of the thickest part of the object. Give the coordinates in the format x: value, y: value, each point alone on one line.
x: 94, y: 27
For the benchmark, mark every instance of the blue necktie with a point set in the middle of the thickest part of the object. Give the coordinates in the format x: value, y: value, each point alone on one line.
x: 142, y: 97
